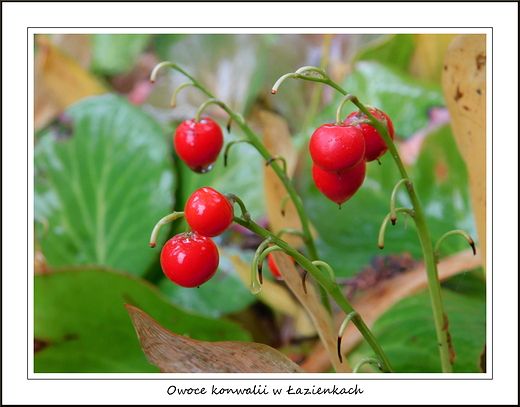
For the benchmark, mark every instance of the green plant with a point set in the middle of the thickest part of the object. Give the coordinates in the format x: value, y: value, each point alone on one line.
x: 106, y: 170
x: 311, y: 265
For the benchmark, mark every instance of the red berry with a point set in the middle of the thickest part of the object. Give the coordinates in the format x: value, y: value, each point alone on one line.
x: 208, y: 212
x: 189, y: 259
x: 198, y: 144
x: 375, y: 145
x: 339, y: 188
x: 273, y: 268
x: 337, y: 147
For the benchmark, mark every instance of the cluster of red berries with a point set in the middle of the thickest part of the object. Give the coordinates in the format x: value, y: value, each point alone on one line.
x: 340, y: 152
x: 192, y: 258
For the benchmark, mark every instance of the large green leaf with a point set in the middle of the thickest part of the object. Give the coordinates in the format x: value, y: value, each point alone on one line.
x: 115, y: 53
x: 406, y: 332
x: 100, y: 191
x: 81, y: 324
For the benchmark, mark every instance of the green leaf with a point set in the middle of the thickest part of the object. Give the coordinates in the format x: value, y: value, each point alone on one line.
x: 406, y: 332
x: 404, y: 99
x: 394, y: 50
x: 100, y: 191
x: 81, y: 324
x: 441, y: 181
x: 116, y: 53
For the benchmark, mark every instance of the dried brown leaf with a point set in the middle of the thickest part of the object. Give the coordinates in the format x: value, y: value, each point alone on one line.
x: 173, y: 353
x: 317, y: 312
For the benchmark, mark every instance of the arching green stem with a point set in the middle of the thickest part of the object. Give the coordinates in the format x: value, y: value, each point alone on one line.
x: 256, y: 275
x: 381, y: 239
x: 353, y: 314
x: 158, y: 67
x: 393, y: 214
x: 340, y: 108
x: 364, y: 362
x: 436, y: 249
x: 279, y: 158
x: 327, y: 267
x: 262, y: 257
x: 173, y: 101
x: 235, y: 199
x: 228, y: 147
x: 168, y: 218
x: 204, y: 105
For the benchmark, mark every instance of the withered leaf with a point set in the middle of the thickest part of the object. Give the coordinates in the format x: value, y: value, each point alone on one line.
x: 173, y: 353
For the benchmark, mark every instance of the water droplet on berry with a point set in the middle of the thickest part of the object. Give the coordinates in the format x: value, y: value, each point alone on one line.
x: 201, y: 170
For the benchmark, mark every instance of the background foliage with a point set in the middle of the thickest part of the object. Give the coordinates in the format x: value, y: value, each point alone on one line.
x: 106, y: 172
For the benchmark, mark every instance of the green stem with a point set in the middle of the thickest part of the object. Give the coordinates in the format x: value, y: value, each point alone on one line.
x: 173, y: 101
x: 168, y: 218
x: 434, y: 287
x: 436, y: 249
x: 329, y: 286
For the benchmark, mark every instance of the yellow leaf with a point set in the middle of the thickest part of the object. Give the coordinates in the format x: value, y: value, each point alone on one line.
x: 464, y: 87
x: 58, y: 82
x: 428, y: 55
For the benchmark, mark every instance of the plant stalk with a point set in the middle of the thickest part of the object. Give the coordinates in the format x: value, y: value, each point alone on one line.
x: 423, y: 232
x: 329, y: 286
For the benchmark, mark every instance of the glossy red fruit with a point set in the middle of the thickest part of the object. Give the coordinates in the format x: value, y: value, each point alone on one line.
x: 189, y: 259
x: 375, y: 145
x: 208, y: 212
x: 272, y: 266
x: 339, y: 188
x: 337, y: 147
x: 198, y: 144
